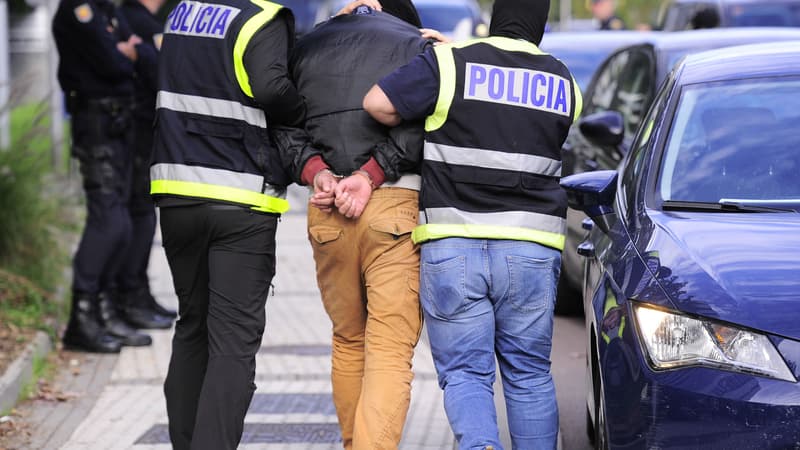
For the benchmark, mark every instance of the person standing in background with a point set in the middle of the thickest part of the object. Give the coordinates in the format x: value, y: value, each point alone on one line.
x: 133, y: 284
x: 605, y: 12
x: 98, y: 56
x: 492, y: 217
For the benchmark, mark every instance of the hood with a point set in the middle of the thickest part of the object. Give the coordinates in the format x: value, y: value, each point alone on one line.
x: 403, y: 10
x: 519, y: 19
x: 738, y: 268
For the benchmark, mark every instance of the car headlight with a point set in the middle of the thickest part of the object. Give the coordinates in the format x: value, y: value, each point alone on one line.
x: 673, y: 340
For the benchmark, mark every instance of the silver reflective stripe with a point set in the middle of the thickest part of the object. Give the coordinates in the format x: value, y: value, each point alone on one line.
x: 204, y: 175
x: 211, y: 107
x: 492, y: 159
x: 407, y: 181
x: 522, y: 219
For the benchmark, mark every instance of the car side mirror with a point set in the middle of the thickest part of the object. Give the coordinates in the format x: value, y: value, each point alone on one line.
x: 593, y: 193
x: 604, y: 128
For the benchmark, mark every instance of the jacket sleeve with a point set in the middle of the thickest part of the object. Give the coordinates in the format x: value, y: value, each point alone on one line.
x: 401, y: 152
x: 147, y: 65
x: 96, y: 44
x: 294, y: 148
x: 265, y: 61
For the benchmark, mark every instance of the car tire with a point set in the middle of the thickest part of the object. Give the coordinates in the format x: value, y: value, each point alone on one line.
x: 600, y: 430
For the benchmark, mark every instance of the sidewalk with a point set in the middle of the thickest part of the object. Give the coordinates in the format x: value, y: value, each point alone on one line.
x: 118, y: 399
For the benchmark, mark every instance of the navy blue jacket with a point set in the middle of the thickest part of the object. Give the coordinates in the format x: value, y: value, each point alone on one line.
x: 148, y: 27
x: 86, y: 34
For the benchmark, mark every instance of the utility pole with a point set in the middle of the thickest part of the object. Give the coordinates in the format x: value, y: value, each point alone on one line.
x: 564, y: 14
x: 5, y: 79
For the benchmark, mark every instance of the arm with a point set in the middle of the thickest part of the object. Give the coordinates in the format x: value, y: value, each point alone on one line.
x: 84, y: 20
x: 378, y: 105
x: 265, y: 61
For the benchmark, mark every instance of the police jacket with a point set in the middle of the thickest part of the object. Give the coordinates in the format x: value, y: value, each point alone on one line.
x: 86, y: 33
x: 492, y: 157
x: 333, y: 67
x: 148, y: 27
x: 210, y: 137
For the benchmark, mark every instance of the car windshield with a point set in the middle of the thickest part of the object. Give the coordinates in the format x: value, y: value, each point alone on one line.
x: 735, y: 142
x: 444, y: 18
x: 763, y: 14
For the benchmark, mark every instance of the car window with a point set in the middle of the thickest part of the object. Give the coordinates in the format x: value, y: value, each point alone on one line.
x: 635, y: 161
x: 605, y: 84
x: 634, y: 90
x: 763, y: 14
x: 734, y: 141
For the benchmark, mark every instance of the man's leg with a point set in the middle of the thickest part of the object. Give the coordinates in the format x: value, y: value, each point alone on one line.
x: 525, y: 276
x: 459, y: 317
x: 390, y: 264
x: 241, y: 267
x: 186, y: 243
x: 336, y: 253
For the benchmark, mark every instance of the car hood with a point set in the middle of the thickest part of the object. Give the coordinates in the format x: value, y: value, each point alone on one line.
x: 738, y: 268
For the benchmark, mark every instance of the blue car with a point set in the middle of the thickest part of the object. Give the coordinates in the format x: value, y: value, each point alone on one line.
x: 691, y: 280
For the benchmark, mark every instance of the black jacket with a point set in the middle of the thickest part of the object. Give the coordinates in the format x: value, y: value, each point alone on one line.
x: 148, y: 27
x: 333, y: 68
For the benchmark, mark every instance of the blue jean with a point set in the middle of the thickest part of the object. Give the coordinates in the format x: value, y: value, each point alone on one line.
x: 483, y: 298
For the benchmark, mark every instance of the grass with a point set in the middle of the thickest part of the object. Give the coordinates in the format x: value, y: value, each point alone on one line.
x: 33, y: 231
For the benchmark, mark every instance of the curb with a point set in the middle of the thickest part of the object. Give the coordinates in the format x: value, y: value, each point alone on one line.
x: 21, y: 370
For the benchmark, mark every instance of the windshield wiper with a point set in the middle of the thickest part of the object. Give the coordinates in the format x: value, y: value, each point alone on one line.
x: 723, y: 206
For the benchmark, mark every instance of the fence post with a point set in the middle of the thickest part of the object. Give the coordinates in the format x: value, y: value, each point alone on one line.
x: 5, y: 78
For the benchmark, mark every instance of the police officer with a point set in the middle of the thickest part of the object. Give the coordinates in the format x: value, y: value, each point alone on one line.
x: 98, y: 58
x: 133, y: 284
x: 605, y: 13
x: 492, y: 217
x: 220, y: 189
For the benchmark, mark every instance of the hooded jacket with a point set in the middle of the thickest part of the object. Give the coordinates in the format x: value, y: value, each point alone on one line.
x: 333, y: 67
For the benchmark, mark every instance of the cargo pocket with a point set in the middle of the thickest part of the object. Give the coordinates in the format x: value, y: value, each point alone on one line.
x: 323, y: 234
x: 219, y: 137
x: 393, y: 229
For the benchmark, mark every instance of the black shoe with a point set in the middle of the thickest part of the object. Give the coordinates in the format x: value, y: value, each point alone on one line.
x: 145, y: 300
x: 117, y: 327
x: 84, y: 331
x: 146, y: 319
x: 138, y: 311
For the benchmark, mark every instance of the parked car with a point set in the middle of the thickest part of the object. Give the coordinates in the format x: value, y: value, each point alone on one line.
x: 583, y: 51
x: 456, y: 19
x: 617, y: 98
x: 677, y: 15
x: 691, y: 277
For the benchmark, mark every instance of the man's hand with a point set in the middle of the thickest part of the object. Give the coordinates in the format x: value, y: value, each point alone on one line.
x: 128, y: 48
x: 350, y: 7
x: 429, y: 33
x: 324, y: 190
x: 352, y: 194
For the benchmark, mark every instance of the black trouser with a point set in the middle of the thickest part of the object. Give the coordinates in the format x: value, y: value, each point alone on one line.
x: 101, y: 139
x: 222, y: 260
x: 133, y: 272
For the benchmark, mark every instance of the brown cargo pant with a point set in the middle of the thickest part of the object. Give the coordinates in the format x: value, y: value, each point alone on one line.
x: 368, y: 274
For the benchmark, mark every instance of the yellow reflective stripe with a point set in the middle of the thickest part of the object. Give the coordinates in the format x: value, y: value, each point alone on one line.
x: 447, y: 87
x: 432, y: 231
x: 578, y: 100
x: 249, y: 29
x: 256, y: 200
